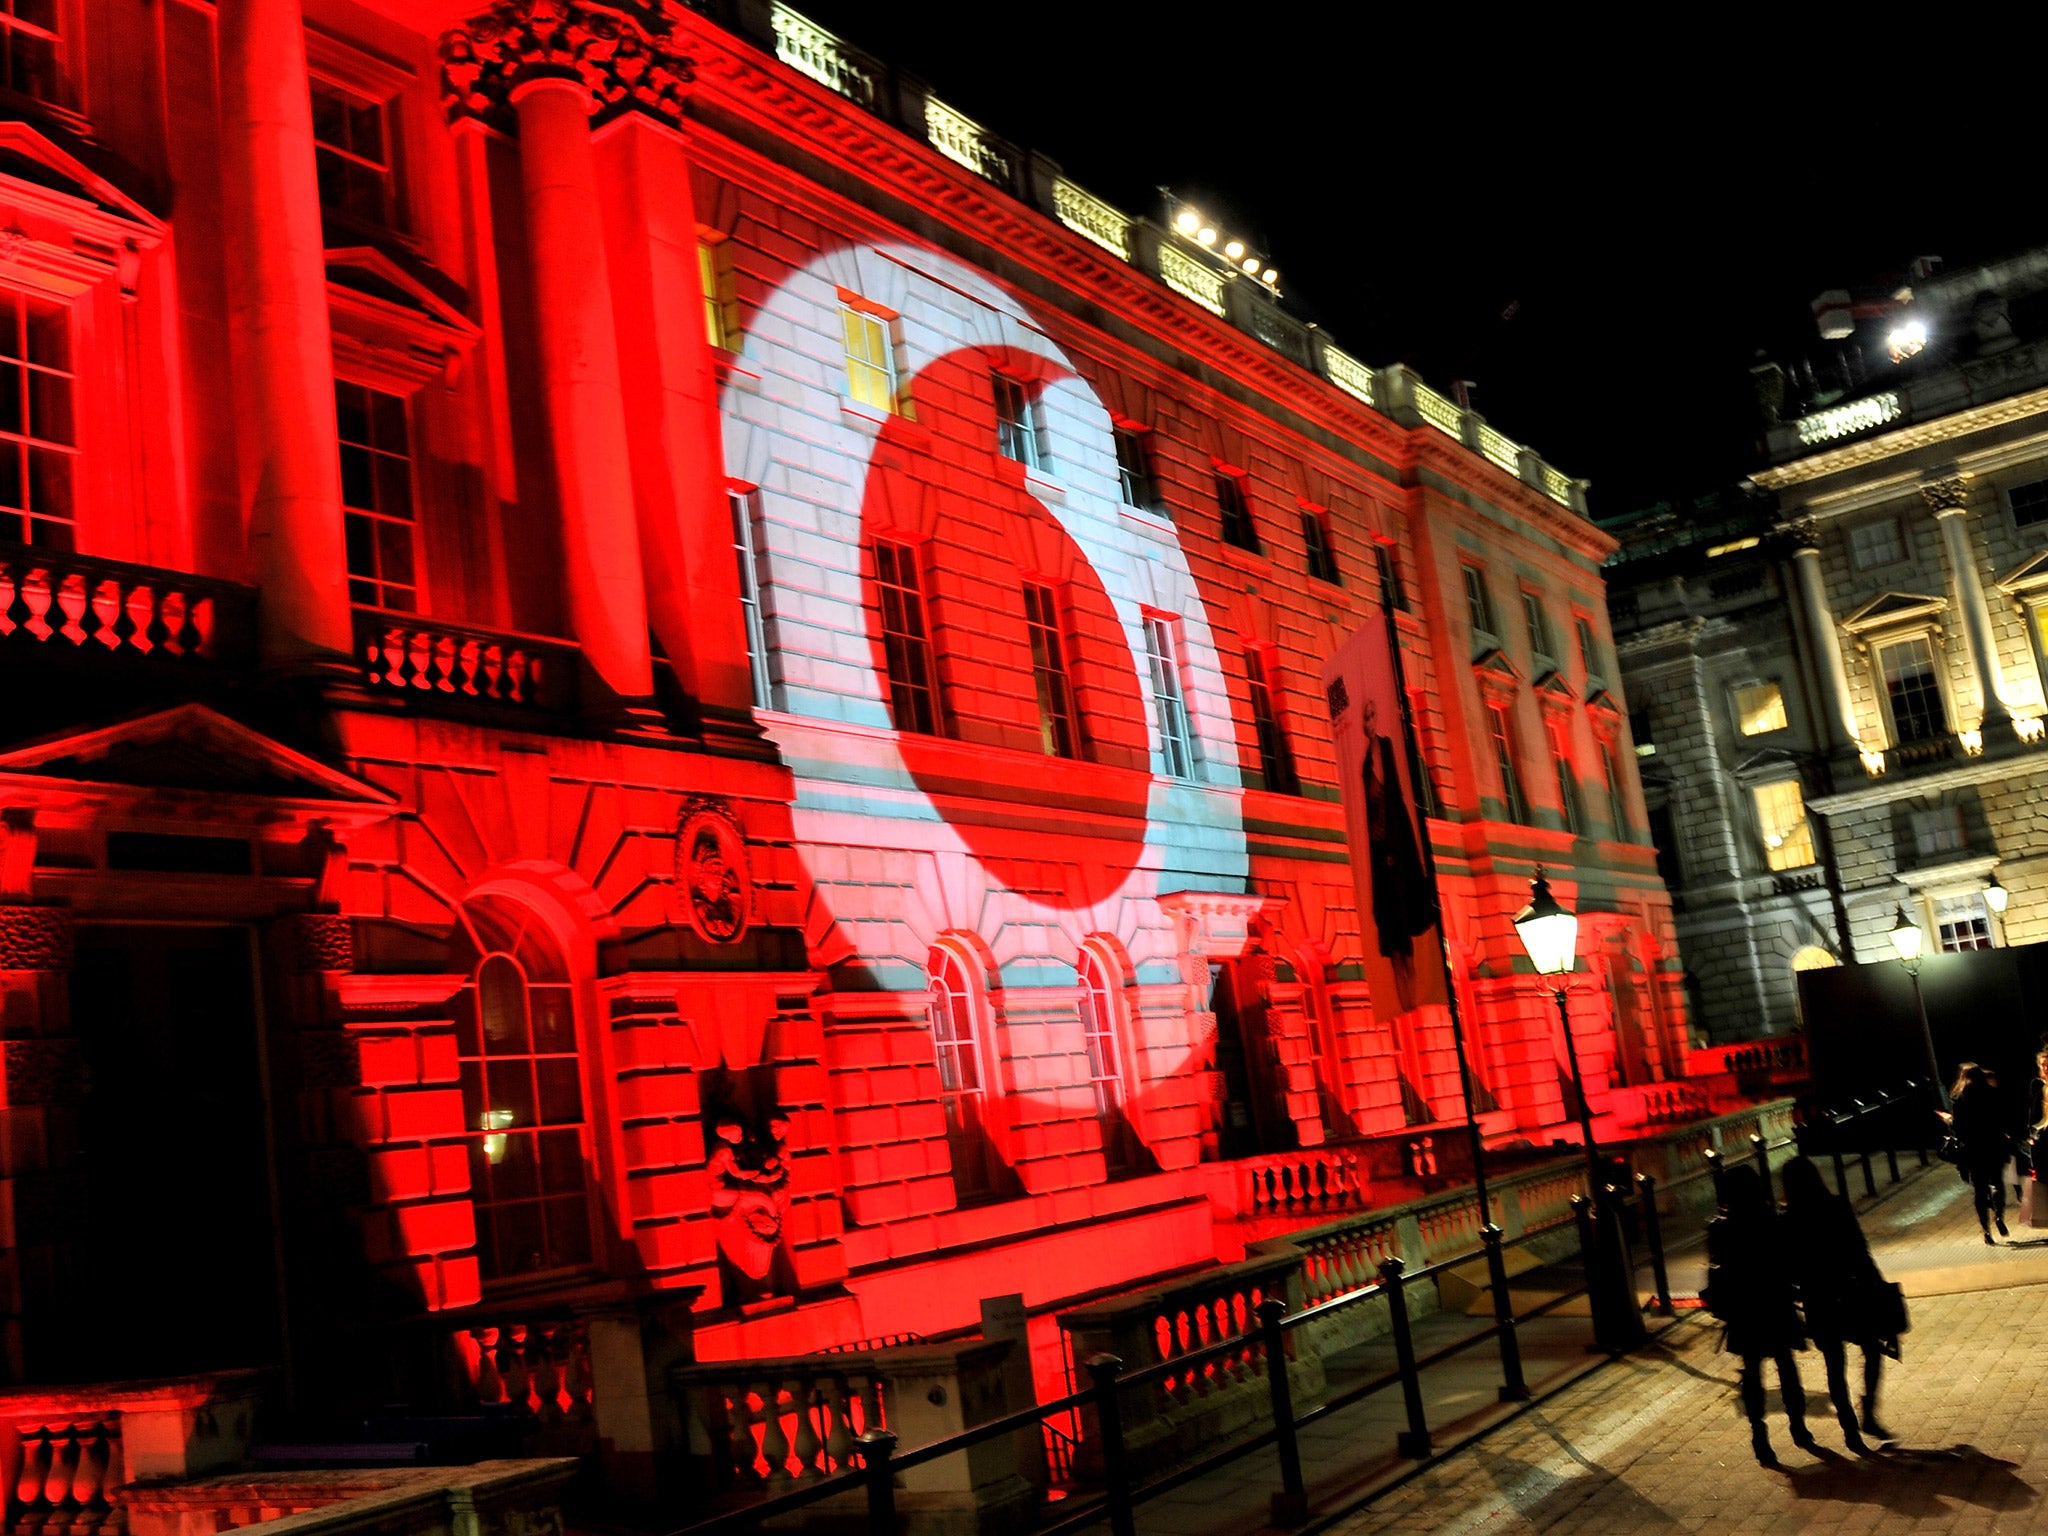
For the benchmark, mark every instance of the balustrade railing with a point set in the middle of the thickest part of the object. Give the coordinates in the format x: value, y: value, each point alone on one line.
x: 1500, y: 448
x: 1439, y: 411
x: 965, y: 142
x: 1349, y: 374
x: 108, y: 607
x: 1314, y: 1179
x: 810, y: 50
x: 1191, y: 279
x: 541, y: 1366
x: 1091, y: 218
x: 64, y: 1483
x: 424, y: 659
x: 773, y: 1424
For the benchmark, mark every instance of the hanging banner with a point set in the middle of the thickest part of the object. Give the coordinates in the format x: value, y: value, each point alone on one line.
x: 1397, y: 913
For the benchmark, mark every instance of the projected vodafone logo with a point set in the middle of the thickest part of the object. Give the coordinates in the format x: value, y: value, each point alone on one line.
x: 836, y: 480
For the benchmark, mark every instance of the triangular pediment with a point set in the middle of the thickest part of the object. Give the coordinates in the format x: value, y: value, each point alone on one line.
x: 1767, y: 760
x: 2031, y: 575
x: 28, y: 154
x: 1495, y: 661
x: 1894, y: 608
x: 1553, y: 682
x: 1601, y: 702
x: 365, y: 270
x: 190, y: 748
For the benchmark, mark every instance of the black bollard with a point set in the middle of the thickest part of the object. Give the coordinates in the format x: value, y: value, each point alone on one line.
x: 1653, y: 1234
x: 1290, y: 1504
x: 1414, y: 1440
x: 1109, y: 1422
x: 1513, y: 1389
x: 876, y: 1447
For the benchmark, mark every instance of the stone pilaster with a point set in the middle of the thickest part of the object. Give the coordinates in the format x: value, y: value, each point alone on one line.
x: 1838, y: 712
x: 1949, y: 499
x: 40, y: 1087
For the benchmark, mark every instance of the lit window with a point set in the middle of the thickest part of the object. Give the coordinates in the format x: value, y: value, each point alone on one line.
x: 742, y: 504
x: 1781, y: 818
x: 870, y: 358
x: 1617, y: 806
x: 956, y: 1041
x: 1516, y: 807
x: 1315, y: 535
x: 2029, y: 503
x: 1020, y: 423
x: 36, y: 435
x: 1939, y: 831
x: 1134, y: 470
x: 1760, y: 709
x: 376, y: 497
x: 522, y: 1102
x: 1567, y: 787
x: 1169, y: 702
x: 1237, y: 512
x: 1878, y: 543
x: 1539, y: 624
x: 1276, y: 756
x: 1478, y: 604
x: 1058, y: 724
x: 1912, y: 690
x: 30, y: 28
x: 1392, y: 594
x: 1961, y: 922
x: 906, y: 638
x: 1645, y: 737
x: 714, y: 270
x: 351, y: 155
x: 1589, y: 651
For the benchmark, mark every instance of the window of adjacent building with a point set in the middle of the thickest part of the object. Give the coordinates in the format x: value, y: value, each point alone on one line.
x: 1567, y: 787
x: 1058, y: 721
x: 522, y: 1102
x: 1639, y: 730
x: 1516, y: 806
x: 1276, y: 755
x: 2029, y: 503
x: 1961, y: 922
x: 742, y: 504
x: 1134, y: 469
x: 1539, y: 624
x: 1169, y: 700
x: 1781, y: 819
x: 376, y: 497
x: 1238, y: 528
x: 1664, y: 838
x: 29, y: 28
x: 721, y: 308
x: 1877, y: 543
x: 1589, y: 650
x: 37, y: 436
x: 1315, y: 537
x: 1760, y: 709
x: 352, y: 155
x: 1020, y: 423
x: 1478, y: 602
x: 1617, y: 805
x: 1392, y: 593
x: 1912, y: 691
x: 1938, y: 831
x: 956, y: 1041
x: 906, y: 638
x: 870, y: 358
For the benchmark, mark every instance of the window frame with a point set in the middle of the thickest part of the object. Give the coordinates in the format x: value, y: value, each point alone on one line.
x: 376, y: 515
x: 1020, y: 422
x: 1570, y: 805
x: 1171, y: 717
x: 1935, y: 902
x: 1318, y: 545
x: 391, y: 216
x: 1392, y: 593
x: 745, y: 504
x: 1758, y: 685
x: 1479, y: 610
x: 31, y: 449
x: 1536, y: 618
x: 1059, y: 712
x: 1501, y: 730
x: 1278, y: 772
x: 967, y: 1138
x: 721, y: 302
x: 1925, y: 637
x: 918, y: 644
x: 1805, y: 840
x: 1234, y: 507
x: 2012, y: 509
x: 1952, y: 837
x: 1137, y: 479
x: 872, y: 320
x: 60, y: 93
x: 1903, y: 543
x: 1589, y: 650
x: 1617, y: 795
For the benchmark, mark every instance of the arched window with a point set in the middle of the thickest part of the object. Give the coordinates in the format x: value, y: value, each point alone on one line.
x: 958, y: 1019
x: 522, y: 1100
x: 1102, y: 1034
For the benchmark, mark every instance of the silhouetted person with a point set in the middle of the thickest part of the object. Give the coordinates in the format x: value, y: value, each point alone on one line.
x: 1402, y: 906
x: 1749, y: 1287
x: 1840, y: 1291
x: 1983, y: 1143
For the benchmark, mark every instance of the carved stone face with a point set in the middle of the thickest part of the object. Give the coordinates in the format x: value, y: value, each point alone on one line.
x: 748, y: 1135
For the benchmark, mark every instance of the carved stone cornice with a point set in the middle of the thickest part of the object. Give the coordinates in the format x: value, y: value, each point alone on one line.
x: 1948, y: 494
x: 622, y: 53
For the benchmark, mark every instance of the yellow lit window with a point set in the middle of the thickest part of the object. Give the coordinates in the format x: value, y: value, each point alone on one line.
x: 870, y: 359
x: 1781, y: 816
x: 1760, y: 708
x: 721, y: 323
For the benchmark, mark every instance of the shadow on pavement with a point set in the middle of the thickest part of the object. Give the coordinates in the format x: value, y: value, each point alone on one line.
x: 1916, y: 1482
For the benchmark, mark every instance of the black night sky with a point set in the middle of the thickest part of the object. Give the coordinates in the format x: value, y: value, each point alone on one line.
x: 1595, y: 221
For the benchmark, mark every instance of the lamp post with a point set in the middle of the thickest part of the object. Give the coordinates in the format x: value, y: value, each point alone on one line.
x: 1907, y: 940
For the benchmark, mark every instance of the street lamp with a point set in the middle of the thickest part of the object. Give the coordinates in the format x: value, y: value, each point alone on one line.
x: 1550, y: 933
x: 1907, y: 941
x: 1996, y: 895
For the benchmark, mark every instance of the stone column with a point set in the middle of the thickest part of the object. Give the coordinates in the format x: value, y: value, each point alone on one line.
x: 284, y: 357
x: 1837, y: 710
x: 1949, y: 499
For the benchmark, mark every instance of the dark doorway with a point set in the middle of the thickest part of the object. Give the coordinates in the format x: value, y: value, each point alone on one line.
x: 175, y: 1267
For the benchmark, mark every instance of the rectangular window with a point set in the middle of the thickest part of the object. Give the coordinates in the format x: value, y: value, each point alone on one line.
x: 742, y: 503
x: 1539, y: 625
x: 714, y: 270
x: 29, y: 30
x: 37, y: 439
x: 1939, y: 831
x: 1134, y: 470
x: 376, y: 497
x: 1237, y: 512
x: 1058, y: 722
x: 1912, y: 690
x: 1589, y: 650
x: 1392, y: 593
x: 1276, y: 755
x: 1781, y: 819
x: 1760, y: 709
x: 1567, y: 788
x: 870, y: 358
x: 1640, y: 730
x: 1961, y: 922
x: 1020, y: 424
x: 1504, y: 759
x: 351, y: 155
x: 1478, y: 603
x: 906, y: 639
x: 1315, y: 536
x: 1169, y: 702
x: 1617, y: 804
x: 1875, y: 544
x: 2029, y: 503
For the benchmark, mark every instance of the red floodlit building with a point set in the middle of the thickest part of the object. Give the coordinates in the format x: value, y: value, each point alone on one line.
x: 650, y: 675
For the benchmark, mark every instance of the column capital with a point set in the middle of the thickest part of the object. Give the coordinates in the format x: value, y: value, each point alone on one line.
x: 1802, y: 536
x: 622, y: 53
x: 1947, y: 494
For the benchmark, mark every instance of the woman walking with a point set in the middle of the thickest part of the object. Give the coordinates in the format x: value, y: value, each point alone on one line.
x: 1841, y: 1293
x: 1983, y: 1143
x: 1749, y: 1287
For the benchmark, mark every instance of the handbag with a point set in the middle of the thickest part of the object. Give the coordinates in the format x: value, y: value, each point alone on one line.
x: 1887, y: 1317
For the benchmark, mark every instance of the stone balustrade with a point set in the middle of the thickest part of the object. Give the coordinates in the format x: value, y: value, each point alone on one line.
x: 79, y: 604
x: 773, y: 1424
x: 542, y: 1366
x: 429, y: 661
x: 1299, y: 1183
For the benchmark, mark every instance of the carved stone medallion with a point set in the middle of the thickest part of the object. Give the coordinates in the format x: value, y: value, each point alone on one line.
x: 712, y: 869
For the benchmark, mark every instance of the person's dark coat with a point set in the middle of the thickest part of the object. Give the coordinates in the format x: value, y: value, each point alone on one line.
x: 1750, y: 1286
x: 1983, y: 1139
x: 1837, y: 1278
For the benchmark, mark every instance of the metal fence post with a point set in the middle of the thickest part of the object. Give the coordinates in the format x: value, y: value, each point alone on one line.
x: 1290, y: 1504
x: 1513, y: 1389
x: 1760, y: 1153
x: 1835, y: 1152
x: 1653, y: 1234
x: 876, y: 1447
x: 1414, y: 1440
x: 1713, y: 1161
x: 1109, y: 1422
x: 1863, y: 1124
